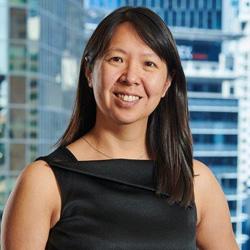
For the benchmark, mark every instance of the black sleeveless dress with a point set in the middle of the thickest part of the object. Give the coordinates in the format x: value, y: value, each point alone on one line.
x: 111, y: 205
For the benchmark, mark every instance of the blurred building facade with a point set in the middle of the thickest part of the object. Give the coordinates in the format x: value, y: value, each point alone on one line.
x: 40, y: 48
x: 204, y: 36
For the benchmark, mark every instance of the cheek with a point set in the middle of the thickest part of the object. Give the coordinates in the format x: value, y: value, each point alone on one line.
x: 106, y: 79
x: 156, y: 87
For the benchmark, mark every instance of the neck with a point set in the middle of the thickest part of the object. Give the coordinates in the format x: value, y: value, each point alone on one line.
x: 120, y: 141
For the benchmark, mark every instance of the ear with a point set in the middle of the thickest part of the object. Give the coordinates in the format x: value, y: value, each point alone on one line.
x: 166, y: 86
x: 88, y: 74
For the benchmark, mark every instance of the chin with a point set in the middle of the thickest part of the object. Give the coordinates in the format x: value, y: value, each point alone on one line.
x: 125, y: 120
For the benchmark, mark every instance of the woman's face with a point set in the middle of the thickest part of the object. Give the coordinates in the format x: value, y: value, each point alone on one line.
x: 129, y: 80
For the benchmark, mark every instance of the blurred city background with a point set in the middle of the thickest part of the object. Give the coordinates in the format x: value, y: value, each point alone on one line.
x: 41, y: 43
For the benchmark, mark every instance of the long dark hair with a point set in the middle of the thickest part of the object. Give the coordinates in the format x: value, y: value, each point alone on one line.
x: 169, y: 138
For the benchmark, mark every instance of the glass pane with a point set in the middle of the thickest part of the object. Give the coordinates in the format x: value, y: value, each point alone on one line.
x: 17, y: 23
x: 33, y: 93
x: 17, y: 89
x: 3, y: 121
x: 33, y: 57
x: 17, y: 123
x: 33, y: 25
x: 17, y: 57
x: 17, y: 156
x: 2, y: 154
x: 32, y: 126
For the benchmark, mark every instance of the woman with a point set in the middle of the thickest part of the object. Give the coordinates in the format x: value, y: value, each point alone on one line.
x: 123, y: 176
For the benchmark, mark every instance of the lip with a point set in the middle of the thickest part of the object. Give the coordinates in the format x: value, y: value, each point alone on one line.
x: 124, y: 104
x: 126, y: 93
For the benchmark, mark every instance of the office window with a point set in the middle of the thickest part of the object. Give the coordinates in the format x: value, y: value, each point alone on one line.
x: 196, y: 4
x: 3, y: 122
x: 232, y: 205
x: 191, y: 19
x: 204, y: 87
x: 200, y: 19
x: 170, y: 5
x: 18, y: 23
x: 17, y: 56
x: 183, y: 16
x: 223, y: 117
x: 2, y: 154
x: 229, y: 161
x: 230, y: 139
x: 17, y: 91
x: 218, y: 19
x: 229, y: 183
x: 174, y: 18
x: 33, y: 58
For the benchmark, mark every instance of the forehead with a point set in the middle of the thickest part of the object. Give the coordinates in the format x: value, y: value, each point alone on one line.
x: 126, y: 35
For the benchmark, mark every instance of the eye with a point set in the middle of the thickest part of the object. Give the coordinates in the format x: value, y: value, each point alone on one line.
x: 150, y: 64
x: 116, y: 59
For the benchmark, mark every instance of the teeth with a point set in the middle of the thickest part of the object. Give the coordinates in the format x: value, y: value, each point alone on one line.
x: 128, y: 98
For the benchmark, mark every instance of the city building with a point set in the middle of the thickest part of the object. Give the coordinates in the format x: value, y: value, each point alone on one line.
x: 41, y: 43
x: 241, y: 53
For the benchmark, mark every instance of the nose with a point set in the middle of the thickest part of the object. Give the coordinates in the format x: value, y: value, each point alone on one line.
x: 131, y: 74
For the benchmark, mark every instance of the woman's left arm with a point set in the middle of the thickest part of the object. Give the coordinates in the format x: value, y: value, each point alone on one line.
x: 214, y: 228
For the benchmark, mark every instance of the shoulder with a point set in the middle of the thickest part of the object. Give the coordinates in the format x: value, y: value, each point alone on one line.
x: 37, y: 175
x: 206, y: 188
x: 203, y: 176
x: 37, y: 169
x: 214, y: 229
x: 35, y: 200
x: 35, y: 189
x: 36, y: 183
x: 38, y: 180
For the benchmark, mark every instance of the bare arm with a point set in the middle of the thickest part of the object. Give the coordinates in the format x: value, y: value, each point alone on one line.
x: 31, y: 209
x: 214, y: 228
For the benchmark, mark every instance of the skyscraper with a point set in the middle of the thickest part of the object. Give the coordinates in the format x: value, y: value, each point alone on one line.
x: 41, y: 43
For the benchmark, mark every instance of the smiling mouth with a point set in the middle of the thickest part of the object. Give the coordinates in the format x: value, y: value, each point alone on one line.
x: 127, y: 98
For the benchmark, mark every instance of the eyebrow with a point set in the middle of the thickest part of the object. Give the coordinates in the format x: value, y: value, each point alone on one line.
x: 124, y: 52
